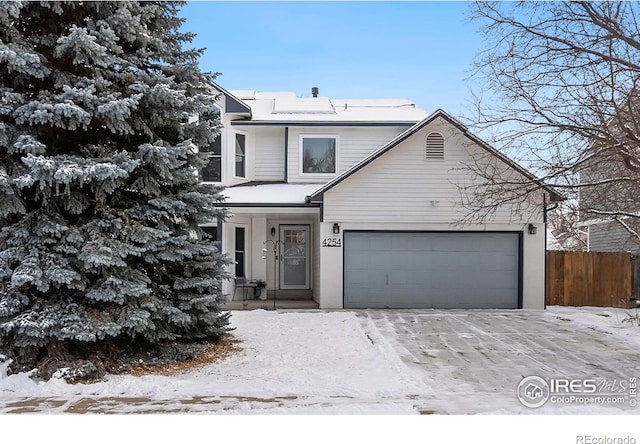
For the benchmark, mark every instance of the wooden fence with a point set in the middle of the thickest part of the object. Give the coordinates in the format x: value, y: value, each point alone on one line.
x: 589, y: 278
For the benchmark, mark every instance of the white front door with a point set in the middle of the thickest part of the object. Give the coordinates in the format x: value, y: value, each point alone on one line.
x: 294, y: 257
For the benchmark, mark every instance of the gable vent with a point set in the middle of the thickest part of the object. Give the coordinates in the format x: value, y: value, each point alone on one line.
x: 435, y: 146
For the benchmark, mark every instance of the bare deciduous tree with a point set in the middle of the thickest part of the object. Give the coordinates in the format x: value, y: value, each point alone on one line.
x: 560, y: 96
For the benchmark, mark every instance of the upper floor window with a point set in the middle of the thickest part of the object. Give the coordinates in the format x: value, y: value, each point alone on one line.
x: 319, y: 154
x: 212, y: 170
x: 435, y: 146
x: 241, y: 145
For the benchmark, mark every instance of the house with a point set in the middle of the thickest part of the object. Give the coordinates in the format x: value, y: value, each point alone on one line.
x: 608, y: 171
x: 356, y: 204
x: 610, y: 236
x: 609, y: 208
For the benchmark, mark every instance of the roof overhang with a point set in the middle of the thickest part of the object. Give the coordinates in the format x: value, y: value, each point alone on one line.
x: 274, y: 195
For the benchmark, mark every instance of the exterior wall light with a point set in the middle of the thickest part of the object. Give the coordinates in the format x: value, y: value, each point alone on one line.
x: 532, y: 229
x: 336, y: 229
x: 273, y: 231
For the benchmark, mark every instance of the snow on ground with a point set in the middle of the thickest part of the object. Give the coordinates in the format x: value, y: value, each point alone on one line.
x: 287, y: 357
x: 623, y: 323
x: 367, y: 362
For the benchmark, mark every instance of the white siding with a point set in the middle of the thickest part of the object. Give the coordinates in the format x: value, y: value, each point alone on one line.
x: 315, y: 250
x: 355, y: 143
x: 402, y: 186
x: 401, y: 191
x: 268, y: 149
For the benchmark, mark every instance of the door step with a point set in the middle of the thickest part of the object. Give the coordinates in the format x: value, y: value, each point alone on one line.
x: 293, y: 295
x: 280, y: 304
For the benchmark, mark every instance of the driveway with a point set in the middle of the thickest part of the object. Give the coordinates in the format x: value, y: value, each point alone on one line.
x: 472, y: 361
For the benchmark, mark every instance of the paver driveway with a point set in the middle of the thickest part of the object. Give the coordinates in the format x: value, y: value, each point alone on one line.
x: 473, y: 360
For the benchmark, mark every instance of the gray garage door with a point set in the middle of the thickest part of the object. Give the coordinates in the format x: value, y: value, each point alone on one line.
x: 431, y: 270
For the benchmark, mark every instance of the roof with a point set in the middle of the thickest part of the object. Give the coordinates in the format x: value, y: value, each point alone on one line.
x: 269, y: 193
x: 317, y: 196
x: 286, y: 108
x: 232, y: 103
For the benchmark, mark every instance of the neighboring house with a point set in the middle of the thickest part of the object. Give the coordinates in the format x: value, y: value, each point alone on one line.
x: 610, y: 191
x: 606, y: 207
x: 357, y: 204
x: 610, y: 236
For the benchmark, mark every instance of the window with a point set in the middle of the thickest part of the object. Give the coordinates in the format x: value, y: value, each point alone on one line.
x: 240, y: 155
x: 211, y: 231
x: 212, y: 169
x: 319, y: 154
x: 240, y: 252
x: 435, y: 146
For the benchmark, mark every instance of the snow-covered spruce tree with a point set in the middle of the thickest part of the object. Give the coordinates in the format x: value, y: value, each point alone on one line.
x: 100, y: 250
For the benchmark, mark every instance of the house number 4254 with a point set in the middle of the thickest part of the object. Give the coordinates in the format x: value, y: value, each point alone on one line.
x: 331, y: 242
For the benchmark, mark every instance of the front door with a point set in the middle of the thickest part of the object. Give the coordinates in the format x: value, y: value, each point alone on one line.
x: 294, y: 257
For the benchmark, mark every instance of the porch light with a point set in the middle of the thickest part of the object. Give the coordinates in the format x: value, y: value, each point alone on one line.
x: 532, y: 229
x: 273, y: 232
x: 336, y: 229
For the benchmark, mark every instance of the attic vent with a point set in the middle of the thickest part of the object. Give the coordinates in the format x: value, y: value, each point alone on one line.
x: 435, y: 146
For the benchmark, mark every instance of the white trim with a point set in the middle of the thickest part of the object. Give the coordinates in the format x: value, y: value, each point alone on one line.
x: 247, y: 249
x: 301, y: 138
x: 246, y: 156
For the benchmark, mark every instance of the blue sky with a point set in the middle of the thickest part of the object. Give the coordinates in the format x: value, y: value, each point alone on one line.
x: 421, y: 51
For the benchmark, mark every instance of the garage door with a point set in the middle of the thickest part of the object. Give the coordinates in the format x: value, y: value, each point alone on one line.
x: 431, y: 270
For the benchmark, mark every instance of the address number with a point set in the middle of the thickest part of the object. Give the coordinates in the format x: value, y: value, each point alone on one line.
x: 332, y: 242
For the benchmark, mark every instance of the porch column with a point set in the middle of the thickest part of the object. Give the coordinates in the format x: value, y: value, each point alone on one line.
x: 258, y: 236
x: 330, y: 268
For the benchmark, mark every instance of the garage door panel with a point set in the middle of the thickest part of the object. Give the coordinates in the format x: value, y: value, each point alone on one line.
x: 431, y: 270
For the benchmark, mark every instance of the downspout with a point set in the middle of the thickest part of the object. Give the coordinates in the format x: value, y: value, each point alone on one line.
x: 286, y: 154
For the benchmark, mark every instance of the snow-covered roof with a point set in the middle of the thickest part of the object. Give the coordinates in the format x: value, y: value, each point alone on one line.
x: 286, y: 107
x: 272, y: 193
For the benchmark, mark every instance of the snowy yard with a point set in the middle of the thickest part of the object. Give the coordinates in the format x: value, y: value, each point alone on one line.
x: 367, y: 362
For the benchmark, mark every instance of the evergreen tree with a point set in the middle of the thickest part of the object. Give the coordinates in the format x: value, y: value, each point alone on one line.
x: 100, y: 201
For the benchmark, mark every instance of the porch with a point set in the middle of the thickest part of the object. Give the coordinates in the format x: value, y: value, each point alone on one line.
x: 275, y: 259
x: 273, y: 239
